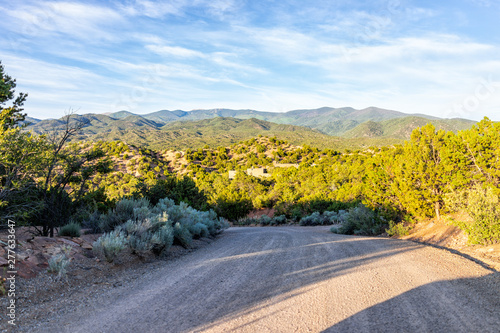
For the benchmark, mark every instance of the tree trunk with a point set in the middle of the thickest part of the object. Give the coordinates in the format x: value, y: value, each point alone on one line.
x: 437, y: 206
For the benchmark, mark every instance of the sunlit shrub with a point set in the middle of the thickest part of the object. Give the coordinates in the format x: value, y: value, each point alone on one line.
x: 482, y: 205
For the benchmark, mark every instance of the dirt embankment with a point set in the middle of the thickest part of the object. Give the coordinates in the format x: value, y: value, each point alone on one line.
x: 442, y: 234
x: 293, y: 279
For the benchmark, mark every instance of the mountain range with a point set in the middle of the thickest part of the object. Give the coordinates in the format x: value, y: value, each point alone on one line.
x: 340, y: 127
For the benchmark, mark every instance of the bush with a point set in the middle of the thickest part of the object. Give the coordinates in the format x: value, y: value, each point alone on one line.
x: 233, y: 209
x: 277, y: 220
x: 265, y: 220
x: 313, y: 219
x: 153, y: 234
x: 55, y: 212
x: 123, y: 212
x: 247, y: 221
x: 109, y: 245
x: 155, y: 229
x: 317, y: 218
x: 482, y: 205
x: 397, y: 229
x: 182, y: 236
x: 72, y: 230
x: 360, y: 220
x: 199, y: 230
x: 58, y: 263
x: 92, y: 222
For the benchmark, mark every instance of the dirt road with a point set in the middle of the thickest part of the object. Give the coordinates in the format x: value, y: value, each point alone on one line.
x: 300, y: 279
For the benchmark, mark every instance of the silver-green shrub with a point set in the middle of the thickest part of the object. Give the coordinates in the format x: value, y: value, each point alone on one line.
x: 155, y: 228
x: 58, y: 263
x: 109, y: 245
x: 314, y: 219
x: 265, y: 220
x: 277, y: 220
x: 182, y: 236
x: 154, y: 233
x: 123, y: 212
x: 199, y: 230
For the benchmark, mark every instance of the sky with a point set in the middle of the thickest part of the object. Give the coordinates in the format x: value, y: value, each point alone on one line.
x: 440, y: 58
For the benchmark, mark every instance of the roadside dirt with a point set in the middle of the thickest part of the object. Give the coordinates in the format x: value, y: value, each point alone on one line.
x: 442, y: 234
x: 290, y: 279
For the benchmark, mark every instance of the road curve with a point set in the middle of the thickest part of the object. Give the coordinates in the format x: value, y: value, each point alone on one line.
x: 301, y: 279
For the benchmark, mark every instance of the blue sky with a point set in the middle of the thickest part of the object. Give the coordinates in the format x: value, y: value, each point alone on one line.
x: 438, y: 58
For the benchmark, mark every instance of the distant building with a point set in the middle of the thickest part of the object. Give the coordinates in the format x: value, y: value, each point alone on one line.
x: 256, y: 172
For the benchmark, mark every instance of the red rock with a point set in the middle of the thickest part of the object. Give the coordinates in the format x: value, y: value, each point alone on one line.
x: 37, y: 259
x: 67, y: 241
x: 77, y: 240
x: 3, y: 261
x: 87, y: 246
x: 39, y: 242
x: 27, y: 270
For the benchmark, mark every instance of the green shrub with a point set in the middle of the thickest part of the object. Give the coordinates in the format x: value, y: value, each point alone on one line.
x: 182, y: 236
x: 360, y: 220
x: 233, y: 209
x: 313, y: 219
x: 265, y: 220
x: 397, y: 229
x: 278, y: 220
x: 123, y: 212
x: 482, y: 205
x: 246, y: 221
x: 92, y: 222
x: 72, y: 230
x: 109, y: 245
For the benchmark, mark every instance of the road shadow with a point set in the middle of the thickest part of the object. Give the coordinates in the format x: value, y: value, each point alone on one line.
x: 252, y: 272
x: 299, y: 268
x: 461, y: 305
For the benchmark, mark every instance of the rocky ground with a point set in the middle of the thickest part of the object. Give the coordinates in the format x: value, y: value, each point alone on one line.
x: 40, y: 293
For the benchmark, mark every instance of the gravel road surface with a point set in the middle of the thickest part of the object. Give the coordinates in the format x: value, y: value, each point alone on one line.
x: 300, y: 279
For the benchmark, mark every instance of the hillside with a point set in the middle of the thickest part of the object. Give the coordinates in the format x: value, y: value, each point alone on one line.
x: 331, y: 121
x: 214, y: 132
x: 354, y: 129
x: 401, y: 128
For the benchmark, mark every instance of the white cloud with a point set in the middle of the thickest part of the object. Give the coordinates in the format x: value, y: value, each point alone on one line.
x: 176, y: 51
x: 160, y: 9
x: 83, y: 21
x: 154, y: 9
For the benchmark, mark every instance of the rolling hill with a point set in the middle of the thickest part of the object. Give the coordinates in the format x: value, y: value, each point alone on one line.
x: 401, y: 128
x: 353, y: 129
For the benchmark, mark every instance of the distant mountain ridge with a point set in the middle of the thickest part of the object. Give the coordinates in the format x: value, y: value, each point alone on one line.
x: 369, y: 123
x: 331, y: 121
